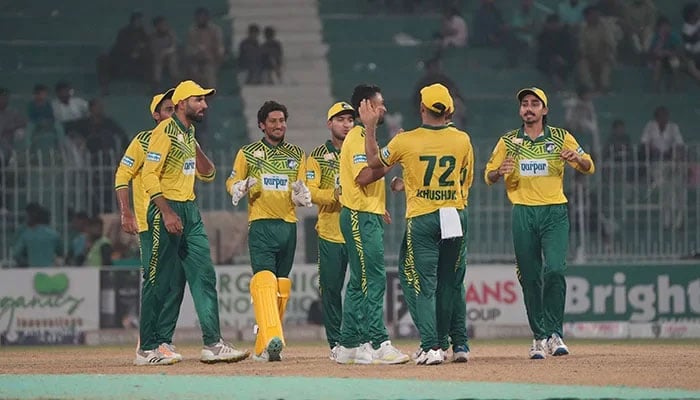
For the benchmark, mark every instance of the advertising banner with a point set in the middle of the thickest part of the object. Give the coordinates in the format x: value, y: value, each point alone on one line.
x: 48, y: 305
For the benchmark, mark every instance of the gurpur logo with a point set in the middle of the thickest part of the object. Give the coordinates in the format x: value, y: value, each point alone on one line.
x: 642, y: 302
x: 50, y: 294
x: 534, y: 167
x: 275, y: 182
x: 189, y: 166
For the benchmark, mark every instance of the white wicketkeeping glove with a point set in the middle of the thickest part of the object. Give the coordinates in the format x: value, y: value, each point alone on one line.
x: 301, y: 195
x: 240, y: 189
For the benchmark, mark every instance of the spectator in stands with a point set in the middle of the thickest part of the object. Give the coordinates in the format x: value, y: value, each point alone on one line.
x: 581, y: 117
x: 691, y: 38
x: 12, y: 126
x: 66, y: 106
x: 489, y: 25
x: 272, y: 56
x: 524, y: 24
x: 204, y: 49
x: 434, y: 74
x: 597, y: 47
x: 555, y: 51
x: 638, y: 25
x: 661, y: 138
x: 130, y: 57
x: 618, y: 146
x: 665, y: 54
x: 103, y: 136
x: 453, y: 32
x: 164, y: 52
x: 571, y: 13
x: 78, y: 238
x: 611, y: 8
x: 250, y: 56
x: 38, y: 245
x: 99, y: 246
x: 39, y: 108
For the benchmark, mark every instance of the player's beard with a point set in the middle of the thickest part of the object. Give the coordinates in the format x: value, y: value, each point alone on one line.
x: 193, y: 116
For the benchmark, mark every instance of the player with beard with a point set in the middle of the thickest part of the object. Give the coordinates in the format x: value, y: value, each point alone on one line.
x: 363, y: 337
x: 177, y: 238
x: 322, y: 169
x: 531, y: 160
x: 271, y: 172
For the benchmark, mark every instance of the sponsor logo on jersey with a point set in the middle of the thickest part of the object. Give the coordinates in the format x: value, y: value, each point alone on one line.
x: 329, y: 156
x: 385, y: 153
x: 259, y: 154
x: 310, y: 175
x: 189, y: 166
x: 233, y: 174
x: 292, y: 163
x: 549, y: 147
x: 128, y: 161
x: 275, y: 182
x: 580, y: 150
x: 359, y: 159
x: 534, y: 167
x: 151, y: 156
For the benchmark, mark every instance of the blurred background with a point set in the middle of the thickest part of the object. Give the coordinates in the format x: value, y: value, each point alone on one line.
x: 76, y: 78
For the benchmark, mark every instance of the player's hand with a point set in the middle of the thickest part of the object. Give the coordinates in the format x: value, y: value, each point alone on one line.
x: 128, y: 221
x: 507, y: 166
x: 369, y: 114
x: 386, y: 217
x: 336, y: 194
x: 570, y: 155
x: 301, y: 195
x: 397, y: 184
x: 240, y: 189
x: 172, y: 222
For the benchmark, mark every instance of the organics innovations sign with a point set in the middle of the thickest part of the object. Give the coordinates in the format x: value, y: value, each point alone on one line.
x: 48, y: 305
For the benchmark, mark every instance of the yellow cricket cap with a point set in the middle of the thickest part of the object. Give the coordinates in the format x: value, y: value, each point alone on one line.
x: 435, y: 96
x: 340, y: 107
x: 157, y: 99
x: 188, y: 89
x: 535, y: 91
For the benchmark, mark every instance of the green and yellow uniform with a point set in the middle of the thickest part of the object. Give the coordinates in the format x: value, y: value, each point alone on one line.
x: 169, y: 171
x: 540, y: 219
x: 363, y: 231
x: 322, y: 177
x: 433, y: 159
x: 271, y: 212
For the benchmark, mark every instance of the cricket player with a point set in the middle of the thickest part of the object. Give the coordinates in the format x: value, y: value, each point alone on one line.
x: 322, y: 177
x: 433, y: 157
x: 177, y: 238
x: 272, y: 173
x: 364, y: 338
x: 531, y: 159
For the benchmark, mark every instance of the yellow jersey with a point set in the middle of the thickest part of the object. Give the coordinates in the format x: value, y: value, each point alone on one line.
x: 432, y: 158
x: 170, y: 165
x: 370, y: 198
x: 467, y: 174
x: 276, y: 168
x: 129, y: 169
x: 322, y: 178
x: 538, y: 177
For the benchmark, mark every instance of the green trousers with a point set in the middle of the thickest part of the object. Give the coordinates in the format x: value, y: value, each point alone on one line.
x: 456, y: 296
x: 332, y: 265
x: 167, y: 318
x: 166, y: 253
x: 432, y: 275
x: 271, y: 244
x: 542, y: 231
x: 363, y: 310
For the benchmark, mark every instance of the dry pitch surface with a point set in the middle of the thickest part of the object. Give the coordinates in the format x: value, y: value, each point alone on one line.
x: 653, y: 364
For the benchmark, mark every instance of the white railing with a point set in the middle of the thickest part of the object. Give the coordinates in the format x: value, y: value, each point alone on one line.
x: 633, y: 208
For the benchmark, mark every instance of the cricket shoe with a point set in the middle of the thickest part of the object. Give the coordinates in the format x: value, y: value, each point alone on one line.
x: 460, y: 354
x: 273, y: 351
x: 388, y: 354
x: 361, y: 354
x: 538, y: 349
x: 334, y: 352
x: 556, y: 346
x: 431, y: 357
x: 222, y: 352
x: 153, y: 357
x: 416, y: 354
x: 169, y: 350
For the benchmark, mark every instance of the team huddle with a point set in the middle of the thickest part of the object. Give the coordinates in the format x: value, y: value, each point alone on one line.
x: 344, y: 177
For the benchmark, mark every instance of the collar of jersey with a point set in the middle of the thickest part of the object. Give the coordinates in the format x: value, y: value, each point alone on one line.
x: 270, y: 145
x: 545, y: 135
x: 330, y: 147
x: 180, y: 125
x: 434, y: 127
